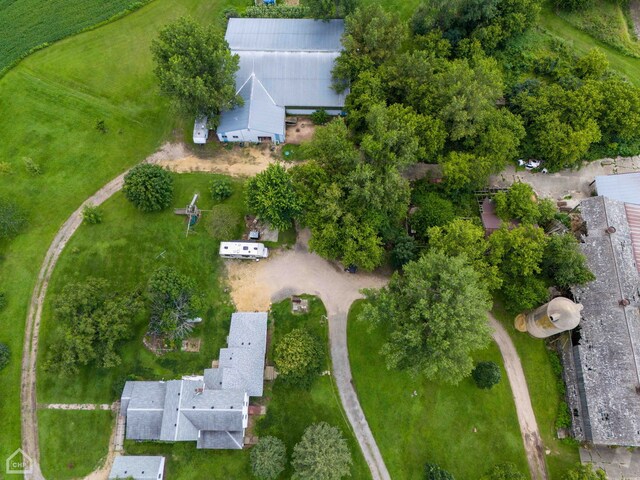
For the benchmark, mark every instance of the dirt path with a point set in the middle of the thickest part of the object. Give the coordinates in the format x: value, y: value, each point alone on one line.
x: 634, y: 9
x: 254, y: 285
x: 528, y: 426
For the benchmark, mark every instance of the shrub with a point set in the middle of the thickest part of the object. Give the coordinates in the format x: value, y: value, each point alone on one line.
x: 563, y: 418
x: 5, y: 355
x: 148, y: 187
x: 486, y: 374
x: 3, y: 301
x: 12, y: 219
x: 280, y: 11
x: 320, y: 117
x: 268, y: 458
x: 433, y: 211
x: 5, y: 168
x: 220, y: 189
x: 434, y: 472
x: 32, y: 167
x: 92, y: 214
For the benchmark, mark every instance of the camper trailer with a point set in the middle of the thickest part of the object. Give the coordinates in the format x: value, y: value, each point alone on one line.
x: 243, y: 250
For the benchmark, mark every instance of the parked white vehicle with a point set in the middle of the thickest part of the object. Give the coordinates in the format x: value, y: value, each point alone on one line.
x: 243, y: 250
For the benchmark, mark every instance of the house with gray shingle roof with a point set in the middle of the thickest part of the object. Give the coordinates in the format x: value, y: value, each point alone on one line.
x: 137, y: 467
x: 211, y: 409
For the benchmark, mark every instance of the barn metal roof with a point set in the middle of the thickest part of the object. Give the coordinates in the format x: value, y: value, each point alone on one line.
x: 624, y: 187
x: 607, y: 354
x: 285, y: 63
x: 259, y: 111
x: 284, y: 35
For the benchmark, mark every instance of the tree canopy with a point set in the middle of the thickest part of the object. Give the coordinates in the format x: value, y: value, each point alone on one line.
x: 437, y: 315
x: 173, y: 303
x: 564, y: 263
x: 268, y: 458
x: 12, y: 219
x: 195, y: 68
x: 585, y: 472
x: 299, y: 357
x: 321, y: 454
x: 504, y: 471
x: 435, y: 472
x: 486, y: 374
x: 273, y: 198
x: 148, y: 187
x: 91, y: 320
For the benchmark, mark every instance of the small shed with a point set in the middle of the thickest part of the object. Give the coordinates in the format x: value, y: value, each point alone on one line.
x: 200, y: 131
x: 137, y: 467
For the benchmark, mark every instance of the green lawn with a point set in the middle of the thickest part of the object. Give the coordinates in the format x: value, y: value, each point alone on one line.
x: 462, y: 428
x: 582, y: 42
x: 125, y: 249
x: 73, y: 443
x: 606, y: 21
x: 29, y: 24
x: 289, y: 412
x: 544, y: 395
x: 50, y: 105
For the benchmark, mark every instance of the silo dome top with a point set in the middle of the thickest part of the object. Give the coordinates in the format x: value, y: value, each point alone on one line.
x: 564, y: 313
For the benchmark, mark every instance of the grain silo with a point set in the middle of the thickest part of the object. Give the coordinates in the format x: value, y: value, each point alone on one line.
x: 557, y: 316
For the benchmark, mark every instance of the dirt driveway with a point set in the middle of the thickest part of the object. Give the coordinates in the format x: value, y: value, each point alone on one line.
x: 567, y: 183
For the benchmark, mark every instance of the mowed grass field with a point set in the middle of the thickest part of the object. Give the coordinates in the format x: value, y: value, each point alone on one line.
x: 289, y: 412
x: 73, y: 443
x: 28, y: 24
x: 50, y: 105
x: 462, y: 428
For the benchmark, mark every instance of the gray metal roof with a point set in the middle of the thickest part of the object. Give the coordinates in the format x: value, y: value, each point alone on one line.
x: 247, y: 348
x: 292, y: 60
x: 259, y: 111
x: 608, y: 353
x: 137, y: 467
x: 293, y: 79
x: 289, y: 35
x: 624, y: 187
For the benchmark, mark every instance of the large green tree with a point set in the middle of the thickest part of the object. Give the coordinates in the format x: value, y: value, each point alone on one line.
x: 195, y: 68
x: 463, y: 237
x: 585, y: 472
x: 564, y: 262
x: 173, y: 303
x: 299, y: 357
x: 435, y: 472
x: 272, y: 197
x: 321, y: 454
x: 91, y: 320
x: 148, y: 187
x: 437, y: 316
x: 268, y: 458
x: 519, y: 202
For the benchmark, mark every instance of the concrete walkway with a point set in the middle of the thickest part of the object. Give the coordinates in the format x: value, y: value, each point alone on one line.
x: 528, y: 426
x: 75, y: 406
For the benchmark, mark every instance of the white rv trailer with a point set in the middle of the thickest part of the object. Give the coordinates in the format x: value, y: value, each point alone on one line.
x: 243, y: 250
x: 200, y: 131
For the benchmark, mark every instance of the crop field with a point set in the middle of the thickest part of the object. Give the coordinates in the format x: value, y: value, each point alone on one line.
x: 28, y: 24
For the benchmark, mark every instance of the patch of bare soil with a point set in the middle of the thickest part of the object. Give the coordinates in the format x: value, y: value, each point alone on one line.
x: 300, y: 132
x: 246, y: 292
x: 237, y: 162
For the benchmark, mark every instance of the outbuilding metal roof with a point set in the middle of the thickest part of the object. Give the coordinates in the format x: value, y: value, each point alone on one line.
x: 284, y: 35
x: 137, y: 467
x: 624, y: 187
x: 284, y: 61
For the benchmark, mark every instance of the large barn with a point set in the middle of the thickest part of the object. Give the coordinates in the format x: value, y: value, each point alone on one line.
x: 285, y: 67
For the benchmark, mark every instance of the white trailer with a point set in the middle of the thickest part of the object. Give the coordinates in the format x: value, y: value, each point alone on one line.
x: 243, y: 250
x: 200, y: 131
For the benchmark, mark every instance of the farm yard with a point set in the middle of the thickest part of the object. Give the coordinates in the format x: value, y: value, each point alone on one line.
x: 81, y: 111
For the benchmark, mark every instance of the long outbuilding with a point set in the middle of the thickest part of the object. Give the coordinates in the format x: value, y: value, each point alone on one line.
x: 285, y: 67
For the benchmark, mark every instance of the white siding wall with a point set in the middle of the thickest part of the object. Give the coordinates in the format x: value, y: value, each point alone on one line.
x: 246, y: 135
